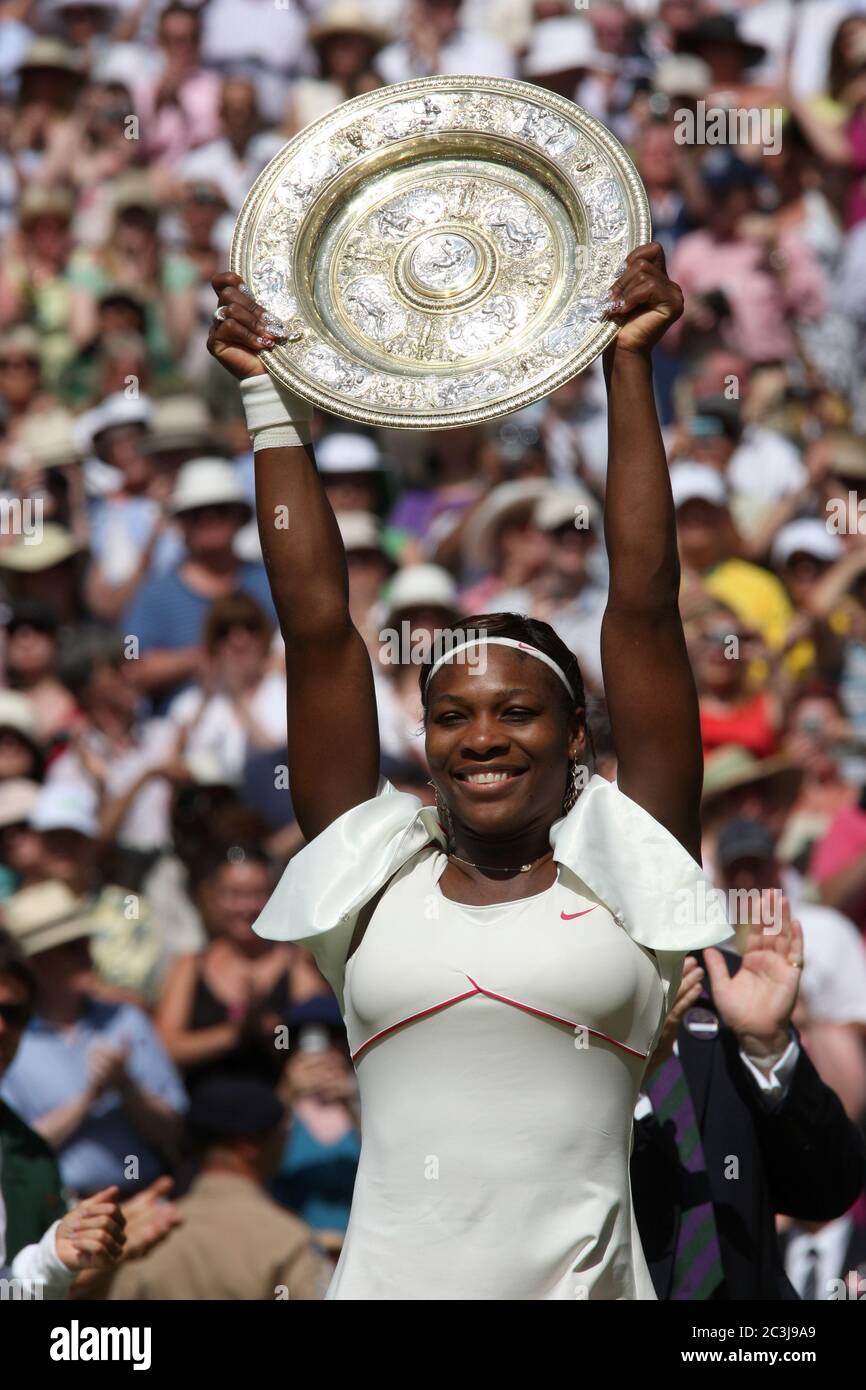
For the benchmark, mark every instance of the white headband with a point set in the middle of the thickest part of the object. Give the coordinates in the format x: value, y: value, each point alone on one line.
x: 501, y: 642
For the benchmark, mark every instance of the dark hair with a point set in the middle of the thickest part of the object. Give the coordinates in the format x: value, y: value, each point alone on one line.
x: 534, y: 633
x: 239, y: 609
x: 14, y: 964
x: 82, y: 658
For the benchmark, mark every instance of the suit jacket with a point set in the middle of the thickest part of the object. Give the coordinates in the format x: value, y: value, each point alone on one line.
x: 802, y: 1157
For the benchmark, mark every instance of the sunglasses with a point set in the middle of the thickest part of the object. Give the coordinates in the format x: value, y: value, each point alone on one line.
x: 15, y: 1015
x: 226, y: 629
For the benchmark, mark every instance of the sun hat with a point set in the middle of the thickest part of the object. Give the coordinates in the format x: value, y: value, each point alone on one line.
x: 47, y: 915
x: 560, y: 506
x: 714, y: 30
x: 505, y: 501
x: 23, y: 339
x: 207, y: 482
x: 558, y: 45
x: 807, y: 536
x: 181, y: 421
x: 17, y: 799
x: 47, y: 52
x: 67, y: 806
x: 849, y: 455
x: 420, y: 586
x: 682, y: 75
x: 360, y: 531
x: 348, y: 452
x: 38, y: 200
x: 346, y: 17
x: 47, y: 439
x: 31, y: 556
x: 17, y: 715
x: 731, y: 766
x: 114, y: 412
x: 690, y: 481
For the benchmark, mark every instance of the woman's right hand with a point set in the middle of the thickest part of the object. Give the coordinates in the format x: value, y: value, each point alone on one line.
x: 246, y: 330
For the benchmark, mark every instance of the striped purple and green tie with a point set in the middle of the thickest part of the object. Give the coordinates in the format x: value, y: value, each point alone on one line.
x: 698, y: 1271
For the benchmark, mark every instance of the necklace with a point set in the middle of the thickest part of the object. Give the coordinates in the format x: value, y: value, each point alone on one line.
x: 499, y: 869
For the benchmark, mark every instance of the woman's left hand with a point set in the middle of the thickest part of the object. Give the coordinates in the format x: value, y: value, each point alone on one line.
x: 645, y: 301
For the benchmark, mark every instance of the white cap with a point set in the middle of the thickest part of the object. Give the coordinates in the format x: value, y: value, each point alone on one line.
x: 360, y: 531
x: 560, y: 505
x: 558, y: 44
x: 67, y: 806
x: 420, y: 586
x: 112, y: 412
x: 16, y: 712
x: 698, y: 480
x: 808, y: 536
x: 207, y: 482
x: 346, y: 452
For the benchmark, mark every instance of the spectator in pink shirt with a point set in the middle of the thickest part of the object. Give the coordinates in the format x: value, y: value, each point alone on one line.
x: 179, y: 110
x: 765, y: 285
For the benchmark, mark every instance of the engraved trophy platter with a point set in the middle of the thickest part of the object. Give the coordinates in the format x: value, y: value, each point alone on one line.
x: 440, y: 250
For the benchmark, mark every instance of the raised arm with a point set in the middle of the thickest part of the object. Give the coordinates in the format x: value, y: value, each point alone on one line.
x: 651, y: 696
x: 333, y: 735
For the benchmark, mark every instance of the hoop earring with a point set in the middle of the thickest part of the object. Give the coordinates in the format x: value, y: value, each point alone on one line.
x: 443, y: 813
x: 574, y: 788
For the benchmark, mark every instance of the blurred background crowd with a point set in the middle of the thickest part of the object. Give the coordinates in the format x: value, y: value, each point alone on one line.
x: 144, y: 803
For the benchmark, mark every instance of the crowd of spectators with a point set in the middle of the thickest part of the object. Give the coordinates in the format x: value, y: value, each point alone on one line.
x: 144, y: 800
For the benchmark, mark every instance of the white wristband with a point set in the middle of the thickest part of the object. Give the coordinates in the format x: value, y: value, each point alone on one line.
x: 276, y: 417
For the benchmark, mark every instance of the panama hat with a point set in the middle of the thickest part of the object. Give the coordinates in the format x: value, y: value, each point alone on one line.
x: 207, y: 482
x: 17, y: 714
x: 40, y: 201
x: 346, y: 17
x: 26, y: 555
x: 732, y: 766
x: 47, y: 915
x: 849, y: 455
x: 47, y: 52
x: 46, y: 440
x: 558, y: 45
x: 505, y: 501
x: 181, y: 421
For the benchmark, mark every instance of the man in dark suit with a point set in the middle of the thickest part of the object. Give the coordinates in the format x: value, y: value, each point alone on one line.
x: 735, y: 1125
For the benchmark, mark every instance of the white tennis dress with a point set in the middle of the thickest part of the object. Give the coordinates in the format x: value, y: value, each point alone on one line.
x: 499, y: 1050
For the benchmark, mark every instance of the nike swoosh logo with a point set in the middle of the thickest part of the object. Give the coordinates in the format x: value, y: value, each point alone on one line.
x: 570, y: 916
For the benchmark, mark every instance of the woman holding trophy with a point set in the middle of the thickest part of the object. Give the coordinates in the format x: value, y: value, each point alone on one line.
x: 504, y: 963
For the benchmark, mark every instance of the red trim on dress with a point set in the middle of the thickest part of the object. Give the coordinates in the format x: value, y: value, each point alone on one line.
x: 502, y: 999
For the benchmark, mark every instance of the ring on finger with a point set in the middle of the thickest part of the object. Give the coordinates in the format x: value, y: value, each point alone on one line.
x: 221, y: 314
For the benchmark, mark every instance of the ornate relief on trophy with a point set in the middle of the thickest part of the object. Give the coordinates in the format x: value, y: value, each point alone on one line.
x: 440, y: 250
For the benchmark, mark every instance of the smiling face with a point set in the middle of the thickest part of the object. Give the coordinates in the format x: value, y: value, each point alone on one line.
x: 499, y: 741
